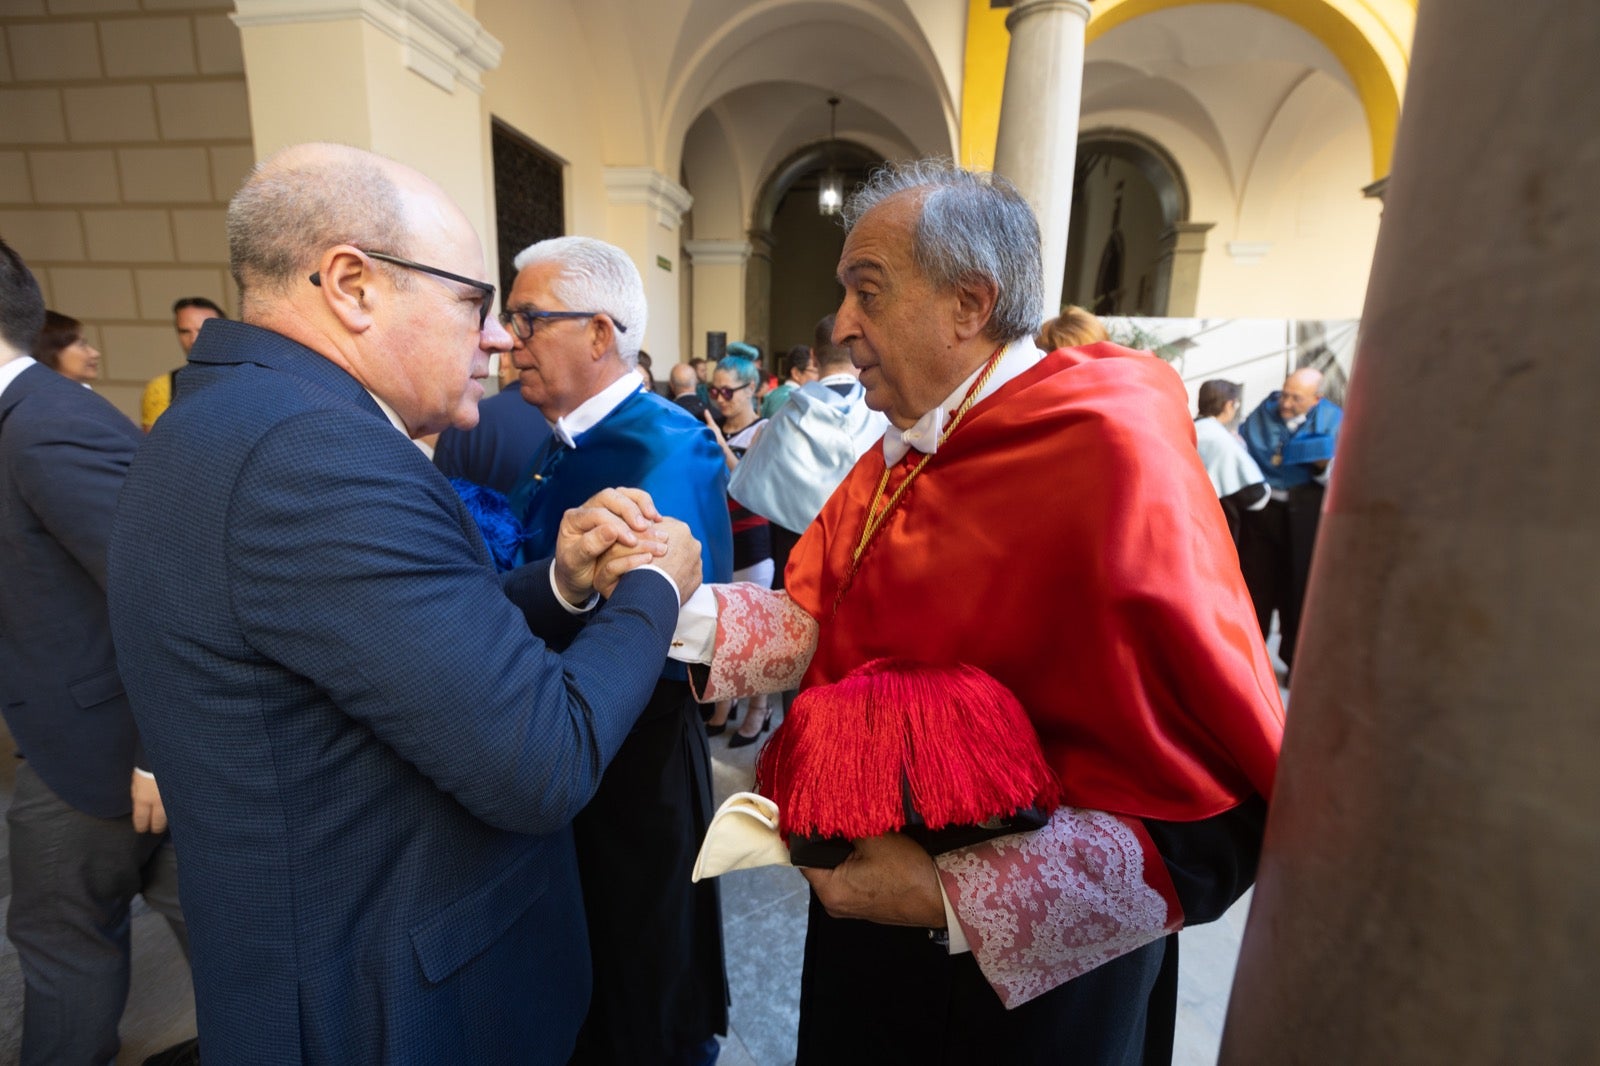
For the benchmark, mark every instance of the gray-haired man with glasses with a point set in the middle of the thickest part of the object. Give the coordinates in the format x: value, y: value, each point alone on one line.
x: 577, y: 310
x: 369, y: 761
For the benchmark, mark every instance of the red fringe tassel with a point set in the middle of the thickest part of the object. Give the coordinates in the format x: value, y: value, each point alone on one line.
x: 957, y: 736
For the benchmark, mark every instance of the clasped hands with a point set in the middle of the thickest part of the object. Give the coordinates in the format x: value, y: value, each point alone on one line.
x: 615, y: 531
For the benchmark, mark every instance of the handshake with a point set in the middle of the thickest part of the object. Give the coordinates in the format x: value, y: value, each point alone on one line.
x: 615, y: 531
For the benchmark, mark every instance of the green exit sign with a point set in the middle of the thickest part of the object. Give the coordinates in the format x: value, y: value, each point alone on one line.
x: 664, y: 263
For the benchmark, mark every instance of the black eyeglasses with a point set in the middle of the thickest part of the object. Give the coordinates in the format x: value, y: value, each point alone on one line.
x: 722, y: 392
x: 484, y: 306
x: 522, y: 322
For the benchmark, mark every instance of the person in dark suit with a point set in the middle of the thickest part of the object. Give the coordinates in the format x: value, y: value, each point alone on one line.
x: 685, y: 382
x: 370, y: 761
x: 88, y: 831
x: 499, y: 451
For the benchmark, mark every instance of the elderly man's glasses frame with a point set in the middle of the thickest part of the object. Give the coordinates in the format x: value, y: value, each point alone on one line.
x: 485, y: 305
x: 522, y: 322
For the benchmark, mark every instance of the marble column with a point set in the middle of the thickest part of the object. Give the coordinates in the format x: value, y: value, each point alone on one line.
x: 1429, y: 888
x: 1038, y: 138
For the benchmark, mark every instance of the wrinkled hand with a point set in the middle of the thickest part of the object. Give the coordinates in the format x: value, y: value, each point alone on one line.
x: 149, y: 816
x: 610, y: 517
x: 889, y: 879
x: 679, y: 556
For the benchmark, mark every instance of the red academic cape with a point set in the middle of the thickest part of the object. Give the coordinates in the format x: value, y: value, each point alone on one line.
x: 1066, y: 539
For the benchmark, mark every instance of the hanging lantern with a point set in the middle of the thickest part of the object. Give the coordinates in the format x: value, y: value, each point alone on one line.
x: 830, y: 191
x: 830, y: 194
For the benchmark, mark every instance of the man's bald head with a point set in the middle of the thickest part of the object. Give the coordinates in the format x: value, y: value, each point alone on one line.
x: 1301, y: 391
x: 306, y: 198
x: 328, y: 244
x: 683, y: 378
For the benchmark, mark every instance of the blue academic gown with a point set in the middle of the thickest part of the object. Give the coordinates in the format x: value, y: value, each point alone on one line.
x: 1276, y: 543
x: 660, y: 985
x: 510, y: 434
x: 1295, y: 452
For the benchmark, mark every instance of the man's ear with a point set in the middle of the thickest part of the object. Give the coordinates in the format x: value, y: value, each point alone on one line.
x: 347, y: 290
x: 975, y: 300
x: 602, y: 336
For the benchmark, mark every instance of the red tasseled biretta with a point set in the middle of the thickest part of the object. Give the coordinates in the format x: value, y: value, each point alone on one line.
x: 957, y: 738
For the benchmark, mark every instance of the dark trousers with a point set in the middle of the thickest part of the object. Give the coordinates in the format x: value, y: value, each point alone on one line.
x: 1275, y: 550
x: 660, y: 984
x: 873, y: 994
x: 73, y: 877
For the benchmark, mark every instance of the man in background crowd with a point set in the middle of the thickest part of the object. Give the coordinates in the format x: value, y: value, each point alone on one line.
x: 1238, y: 481
x: 188, y: 315
x: 1291, y: 435
x: 799, y: 368
x: 808, y: 447
x: 86, y: 822
x: 684, y: 382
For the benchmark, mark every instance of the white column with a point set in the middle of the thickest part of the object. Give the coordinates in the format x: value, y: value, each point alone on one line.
x: 1038, y: 139
x: 719, y: 274
x: 644, y: 216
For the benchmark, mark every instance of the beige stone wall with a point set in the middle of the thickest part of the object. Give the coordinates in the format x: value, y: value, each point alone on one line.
x: 124, y: 129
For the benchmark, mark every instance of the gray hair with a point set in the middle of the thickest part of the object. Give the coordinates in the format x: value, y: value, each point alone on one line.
x: 302, y: 201
x: 596, y: 276
x: 972, y: 225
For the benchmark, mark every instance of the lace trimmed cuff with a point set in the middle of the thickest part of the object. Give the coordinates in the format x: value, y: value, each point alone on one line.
x: 764, y: 643
x: 1041, y: 908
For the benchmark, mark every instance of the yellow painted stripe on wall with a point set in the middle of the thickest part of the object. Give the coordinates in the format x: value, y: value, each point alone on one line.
x: 1370, y: 39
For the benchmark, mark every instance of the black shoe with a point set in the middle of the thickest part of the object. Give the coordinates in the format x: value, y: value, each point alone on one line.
x: 715, y: 730
x: 184, y: 1054
x: 739, y: 740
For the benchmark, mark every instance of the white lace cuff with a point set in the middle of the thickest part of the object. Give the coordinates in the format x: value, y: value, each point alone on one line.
x: 764, y: 642
x: 1041, y: 908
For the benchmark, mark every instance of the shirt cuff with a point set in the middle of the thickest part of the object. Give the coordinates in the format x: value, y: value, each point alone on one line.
x: 957, y: 943
x: 594, y: 597
x: 696, y: 634
x: 144, y: 773
x: 653, y: 568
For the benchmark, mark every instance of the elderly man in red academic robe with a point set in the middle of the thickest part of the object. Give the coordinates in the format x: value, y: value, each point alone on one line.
x: 1044, y: 518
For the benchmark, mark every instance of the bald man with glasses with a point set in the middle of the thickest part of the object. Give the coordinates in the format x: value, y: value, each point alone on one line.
x: 369, y: 747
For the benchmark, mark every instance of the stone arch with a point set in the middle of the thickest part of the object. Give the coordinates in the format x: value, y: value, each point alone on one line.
x: 1176, y: 243
x: 771, y: 268
x: 1370, y: 39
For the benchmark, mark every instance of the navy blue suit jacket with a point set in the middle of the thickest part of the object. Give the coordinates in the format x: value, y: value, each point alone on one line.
x: 369, y: 761
x: 497, y: 452
x: 63, y: 454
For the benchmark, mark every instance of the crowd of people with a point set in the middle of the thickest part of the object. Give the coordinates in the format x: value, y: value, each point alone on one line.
x: 433, y: 802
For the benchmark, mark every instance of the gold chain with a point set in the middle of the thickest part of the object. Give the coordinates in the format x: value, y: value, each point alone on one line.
x: 875, y: 519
